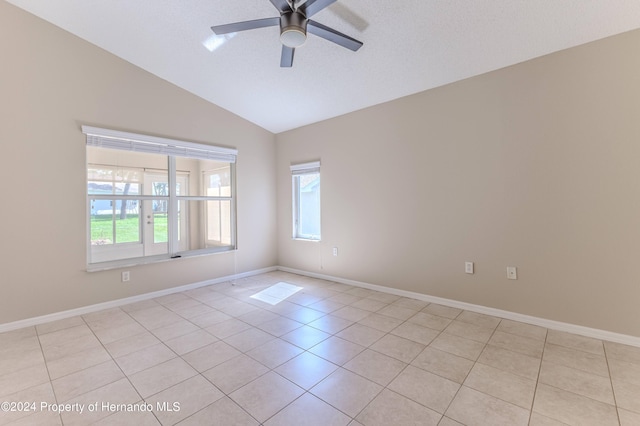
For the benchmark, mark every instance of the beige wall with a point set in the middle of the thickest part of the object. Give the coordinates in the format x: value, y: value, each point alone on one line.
x: 535, y: 166
x: 51, y: 83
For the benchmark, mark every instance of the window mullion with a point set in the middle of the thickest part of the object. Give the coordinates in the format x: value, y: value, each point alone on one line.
x: 172, y: 222
x: 113, y: 222
x: 234, y: 236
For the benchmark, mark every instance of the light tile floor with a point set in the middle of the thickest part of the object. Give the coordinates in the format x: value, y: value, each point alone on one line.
x: 329, y: 355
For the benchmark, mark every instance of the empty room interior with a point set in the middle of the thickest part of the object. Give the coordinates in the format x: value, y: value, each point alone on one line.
x: 428, y: 215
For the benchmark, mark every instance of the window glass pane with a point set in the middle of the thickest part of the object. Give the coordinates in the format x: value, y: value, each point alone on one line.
x: 115, y: 228
x: 209, y: 225
x: 307, y: 205
x: 218, y: 222
x: 101, y: 222
x: 215, y: 178
x: 160, y: 227
x: 217, y: 181
x: 182, y: 222
x: 160, y: 188
x: 128, y: 188
x: 114, y: 221
x: 185, y: 168
x: 100, y: 180
x: 181, y: 185
x: 122, y: 172
x: 127, y: 221
x: 155, y: 227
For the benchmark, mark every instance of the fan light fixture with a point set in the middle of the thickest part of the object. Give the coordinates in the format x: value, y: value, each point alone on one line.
x: 293, y: 37
x: 293, y: 29
x: 294, y: 20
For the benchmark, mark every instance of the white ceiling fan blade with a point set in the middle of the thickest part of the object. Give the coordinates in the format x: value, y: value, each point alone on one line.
x: 286, y: 59
x: 332, y: 35
x: 311, y: 7
x: 245, y: 25
x: 281, y: 5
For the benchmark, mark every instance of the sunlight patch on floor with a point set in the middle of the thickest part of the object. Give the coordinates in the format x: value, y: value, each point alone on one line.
x: 276, y: 293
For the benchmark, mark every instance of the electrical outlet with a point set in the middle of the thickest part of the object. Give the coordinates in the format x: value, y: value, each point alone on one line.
x: 468, y: 267
x: 335, y: 251
x: 512, y: 273
x: 126, y: 276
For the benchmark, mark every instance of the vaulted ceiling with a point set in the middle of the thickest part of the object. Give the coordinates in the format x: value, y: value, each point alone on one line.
x: 409, y: 46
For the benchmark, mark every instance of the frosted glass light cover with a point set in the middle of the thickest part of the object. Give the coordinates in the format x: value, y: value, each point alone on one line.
x: 293, y: 37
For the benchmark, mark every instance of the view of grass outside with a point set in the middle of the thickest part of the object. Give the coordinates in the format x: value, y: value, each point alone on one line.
x: 127, y: 230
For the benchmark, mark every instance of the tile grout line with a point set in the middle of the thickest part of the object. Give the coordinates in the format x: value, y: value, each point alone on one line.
x: 613, y: 392
x: 535, y: 390
x: 474, y: 364
x: 46, y: 365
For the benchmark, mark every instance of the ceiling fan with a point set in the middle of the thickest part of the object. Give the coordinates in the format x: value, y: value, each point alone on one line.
x: 294, y: 23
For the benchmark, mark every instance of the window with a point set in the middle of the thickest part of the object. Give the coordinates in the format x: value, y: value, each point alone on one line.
x: 152, y: 198
x: 306, y: 201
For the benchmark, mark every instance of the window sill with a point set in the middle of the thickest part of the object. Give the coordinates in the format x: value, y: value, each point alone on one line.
x: 305, y: 239
x: 127, y: 263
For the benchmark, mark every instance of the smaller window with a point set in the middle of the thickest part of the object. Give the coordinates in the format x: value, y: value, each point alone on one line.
x: 306, y: 201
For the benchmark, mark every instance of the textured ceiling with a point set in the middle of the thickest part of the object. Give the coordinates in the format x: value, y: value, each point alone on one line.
x: 409, y: 46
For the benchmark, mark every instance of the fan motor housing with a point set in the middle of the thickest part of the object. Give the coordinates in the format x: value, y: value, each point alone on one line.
x: 293, y: 29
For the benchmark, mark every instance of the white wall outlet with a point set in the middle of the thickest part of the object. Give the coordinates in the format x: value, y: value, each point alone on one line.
x: 335, y: 251
x: 468, y: 267
x: 126, y: 276
x: 512, y: 273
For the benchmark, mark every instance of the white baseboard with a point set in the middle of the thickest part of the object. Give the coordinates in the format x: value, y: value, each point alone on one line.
x: 119, y: 302
x: 550, y: 324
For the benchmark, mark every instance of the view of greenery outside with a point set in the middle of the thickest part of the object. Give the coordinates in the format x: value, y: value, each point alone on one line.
x: 127, y: 230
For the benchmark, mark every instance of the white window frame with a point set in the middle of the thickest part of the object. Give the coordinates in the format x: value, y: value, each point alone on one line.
x: 298, y: 170
x: 172, y: 148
